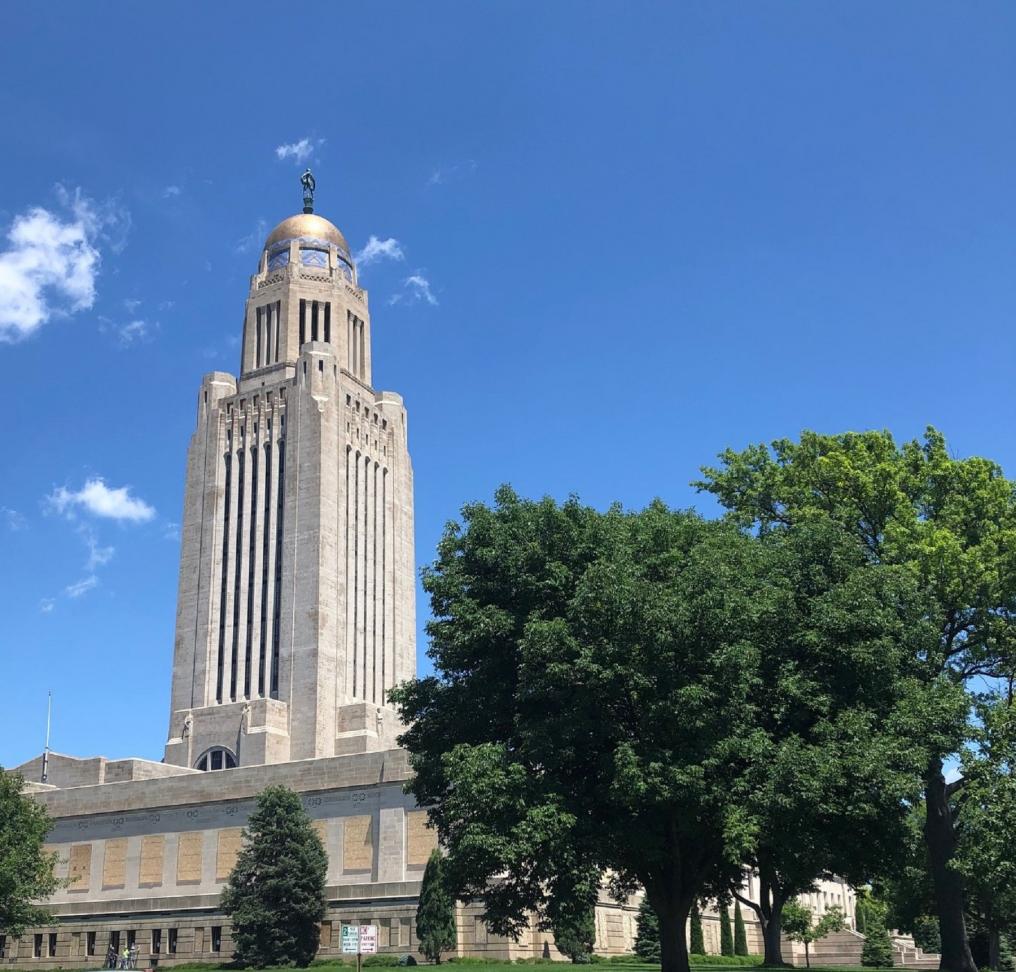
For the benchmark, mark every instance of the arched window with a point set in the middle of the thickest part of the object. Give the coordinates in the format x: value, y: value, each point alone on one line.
x: 216, y: 758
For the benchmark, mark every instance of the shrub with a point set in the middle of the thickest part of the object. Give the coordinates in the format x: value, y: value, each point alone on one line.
x: 877, y: 951
x: 740, y: 933
x: 435, y: 914
x: 647, y: 940
x: 696, y: 944
x: 726, y: 935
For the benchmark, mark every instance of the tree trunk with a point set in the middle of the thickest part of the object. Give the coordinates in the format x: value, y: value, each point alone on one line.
x: 940, y: 839
x: 672, y: 913
x: 807, y: 956
x: 769, y: 912
x: 994, y: 948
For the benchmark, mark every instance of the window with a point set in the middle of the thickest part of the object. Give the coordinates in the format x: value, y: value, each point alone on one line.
x: 328, y: 323
x: 131, y: 938
x: 216, y: 938
x: 156, y: 941
x: 3, y: 946
x: 114, y: 940
x: 38, y: 946
x: 303, y: 322
x: 52, y: 944
x: 90, y: 943
x: 172, y: 941
x: 216, y: 758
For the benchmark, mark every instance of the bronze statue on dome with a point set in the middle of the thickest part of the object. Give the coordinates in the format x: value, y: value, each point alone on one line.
x: 309, y: 185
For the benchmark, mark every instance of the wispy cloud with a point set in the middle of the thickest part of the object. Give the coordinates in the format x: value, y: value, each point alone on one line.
x: 13, y: 520
x: 300, y: 151
x: 47, y: 604
x: 170, y: 191
x: 251, y: 241
x: 132, y: 304
x: 415, y: 287
x: 82, y: 586
x: 97, y: 498
x: 135, y: 331
x: 171, y: 531
x: 375, y: 249
x: 452, y: 173
x: 98, y: 556
x: 52, y: 260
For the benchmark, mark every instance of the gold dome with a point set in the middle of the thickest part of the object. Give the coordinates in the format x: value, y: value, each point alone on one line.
x: 307, y: 225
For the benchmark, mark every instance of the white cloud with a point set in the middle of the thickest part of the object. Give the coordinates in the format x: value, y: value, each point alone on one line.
x: 100, y: 500
x: 134, y: 331
x: 452, y: 173
x: 47, y: 604
x: 167, y: 305
x: 82, y: 586
x: 97, y: 556
x: 171, y: 191
x: 14, y: 520
x: 300, y: 151
x: 50, y: 265
x: 171, y: 531
x: 251, y: 241
x: 375, y: 249
x: 131, y: 304
x: 415, y: 287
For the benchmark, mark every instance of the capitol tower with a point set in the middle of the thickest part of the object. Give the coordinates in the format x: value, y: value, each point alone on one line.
x: 296, y: 603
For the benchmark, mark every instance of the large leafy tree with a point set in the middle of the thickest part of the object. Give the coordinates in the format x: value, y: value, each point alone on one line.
x: 951, y: 523
x: 26, y: 870
x: 435, y: 912
x: 592, y: 705
x: 275, y: 895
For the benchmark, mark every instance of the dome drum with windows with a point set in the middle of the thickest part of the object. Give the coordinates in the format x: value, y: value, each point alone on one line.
x: 310, y: 239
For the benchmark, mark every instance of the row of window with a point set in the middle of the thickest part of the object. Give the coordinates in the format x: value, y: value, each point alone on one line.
x: 44, y: 944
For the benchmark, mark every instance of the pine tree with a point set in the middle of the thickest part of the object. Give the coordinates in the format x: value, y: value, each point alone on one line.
x: 926, y: 936
x: 575, y: 934
x: 696, y: 945
x: 647, y: 941
x: 275, y: 895
x: 435, y: 914
x: 726, y: 936
x: 877, y: 952
x: 740, y: 933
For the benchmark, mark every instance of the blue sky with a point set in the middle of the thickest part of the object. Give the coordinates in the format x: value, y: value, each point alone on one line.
x: 648, y: 231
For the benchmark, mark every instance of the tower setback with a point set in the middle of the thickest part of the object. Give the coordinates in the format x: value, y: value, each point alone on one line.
x: 296, y: 604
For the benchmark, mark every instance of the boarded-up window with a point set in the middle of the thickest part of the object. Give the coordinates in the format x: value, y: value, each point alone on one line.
x: 114, y: 863
x: 80, y: 869
x: 153, y: 849
x: 420, y: 839
x: 188, y: 859
x: 357, y: 844
x: 228, y: 848
x: 325, y: 938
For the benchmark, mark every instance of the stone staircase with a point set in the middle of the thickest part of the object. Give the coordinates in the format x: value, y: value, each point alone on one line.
x: 844, y: 948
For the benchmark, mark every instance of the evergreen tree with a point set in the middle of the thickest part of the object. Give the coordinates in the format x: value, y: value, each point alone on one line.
x: 26, y: 870
x: 926, y: 936
x: 697, y: 945
x: 740, y: 933
x: 647, y: 941
x: 275, y: 895
x: 435, y: 914
x: 726, y: 936
x: 575, y: 933
x: 877, y: 952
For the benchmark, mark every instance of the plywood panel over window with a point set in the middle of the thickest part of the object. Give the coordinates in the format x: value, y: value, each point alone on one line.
x: 325, y: 938
x: 80, y: 869
x: 114, y: 863
x: 225, y: 855
x: 153, y: 856
x: 188, y: 858
x: 358, y: 844
x: 420, y: 839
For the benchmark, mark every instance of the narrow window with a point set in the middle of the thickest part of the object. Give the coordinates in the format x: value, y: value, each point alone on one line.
x: 314, y: 320
x: 240, y: 456
x: 303, y: 322
x: 216, y: 938
x: 52, y: 944
x: 90, y: 943
x: 328, y: 322
x: 172, y: 941
x: 224, y: 581
x: 257, y: 331
x: 279, y: 510
x: 38, y: 946
x: 278, y: 315
x: 266, y: 538
x: 248, y: 659
x: 130, y: 939
x: 156, y: 941
x: 3, y: 945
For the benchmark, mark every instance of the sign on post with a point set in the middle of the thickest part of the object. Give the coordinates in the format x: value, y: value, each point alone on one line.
x: 368, y: 939
x: 350, y: 939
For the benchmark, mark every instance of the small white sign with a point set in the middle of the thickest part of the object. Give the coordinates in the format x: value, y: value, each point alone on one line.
x: 350, y: 939
x: 368, y: 939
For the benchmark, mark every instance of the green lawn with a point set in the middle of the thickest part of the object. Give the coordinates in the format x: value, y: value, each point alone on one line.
x: 751, y: 964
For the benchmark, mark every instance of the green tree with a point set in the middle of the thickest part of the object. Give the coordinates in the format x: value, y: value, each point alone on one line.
x: 726, y: 933
x: 877, y: 951
x: 647, y: 940
x: 799, y: 925
x: 575, y: 933
x: 697, y: 944
x: 275, y: 895
x: 26, y: 870
x: 925, y: 934
x: 951, y: 524
x: 740, y: 933
x: 592, y: 707
x: 435, y: 912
